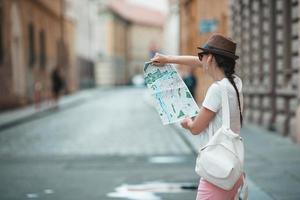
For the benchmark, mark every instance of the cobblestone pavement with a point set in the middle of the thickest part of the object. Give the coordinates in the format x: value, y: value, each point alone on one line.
x: 117, y: 123
x: 110, y: 138
x: 89, y: 150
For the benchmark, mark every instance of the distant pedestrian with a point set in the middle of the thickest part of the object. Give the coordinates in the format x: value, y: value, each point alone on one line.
x: 57, y: 84
x: 217, y: 57
x: 190, y: 82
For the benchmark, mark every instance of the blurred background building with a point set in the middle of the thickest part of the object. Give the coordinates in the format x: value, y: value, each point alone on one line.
x: 115, y: 38
x: 268, y: 36
x: 94, y: 42
x: 133, y: 34
x: 106, y: 42
x: 87, y: 39
x: 198, y: 20
x: 35, y: 37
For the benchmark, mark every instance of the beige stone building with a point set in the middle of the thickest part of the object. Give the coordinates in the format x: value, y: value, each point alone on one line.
x: 268, y: 34
x: 35, y: 37
x: 142, y: 38
x: 131, y: 33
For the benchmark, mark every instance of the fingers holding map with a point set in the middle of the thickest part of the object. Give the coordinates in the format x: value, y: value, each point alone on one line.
x: 173, y: 100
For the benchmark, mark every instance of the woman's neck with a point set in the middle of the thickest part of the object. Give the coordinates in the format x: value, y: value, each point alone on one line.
x: 218, y: 75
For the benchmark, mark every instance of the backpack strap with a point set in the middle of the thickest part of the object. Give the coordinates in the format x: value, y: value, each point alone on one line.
x: 225, y: 105
x: 225, y: 110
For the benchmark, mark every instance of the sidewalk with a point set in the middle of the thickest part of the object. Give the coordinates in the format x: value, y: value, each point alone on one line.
x: 272, y: 163
x: 21, y: 115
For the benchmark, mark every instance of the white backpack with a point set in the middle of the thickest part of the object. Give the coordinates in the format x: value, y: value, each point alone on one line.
x: 221, y: 161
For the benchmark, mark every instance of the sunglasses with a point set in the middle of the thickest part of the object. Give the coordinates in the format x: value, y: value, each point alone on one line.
x: 200, y: 55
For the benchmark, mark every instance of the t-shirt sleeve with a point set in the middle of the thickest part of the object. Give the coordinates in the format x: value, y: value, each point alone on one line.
x: 213, y: 99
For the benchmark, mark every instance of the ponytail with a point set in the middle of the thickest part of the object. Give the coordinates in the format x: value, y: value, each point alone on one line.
x: 228, y: 65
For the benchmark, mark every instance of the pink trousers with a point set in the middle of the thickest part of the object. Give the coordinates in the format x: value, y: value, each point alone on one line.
x: 208, y: 191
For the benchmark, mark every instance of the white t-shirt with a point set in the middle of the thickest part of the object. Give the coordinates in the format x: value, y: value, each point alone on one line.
x: 213, y: 102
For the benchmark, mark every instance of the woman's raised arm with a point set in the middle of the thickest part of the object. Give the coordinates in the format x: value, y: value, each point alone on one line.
x: 192, y: 61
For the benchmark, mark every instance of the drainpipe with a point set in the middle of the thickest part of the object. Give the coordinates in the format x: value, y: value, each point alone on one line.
x: 297, y: 132
x: 272, y: 64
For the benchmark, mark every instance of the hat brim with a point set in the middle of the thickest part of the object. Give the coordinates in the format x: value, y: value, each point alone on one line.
x: 219, y: 52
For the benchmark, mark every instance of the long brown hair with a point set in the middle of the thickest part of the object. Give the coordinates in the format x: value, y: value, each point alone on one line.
x: 228, y: 65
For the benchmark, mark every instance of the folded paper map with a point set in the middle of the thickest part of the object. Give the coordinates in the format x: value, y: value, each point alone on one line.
x: 173, y: 100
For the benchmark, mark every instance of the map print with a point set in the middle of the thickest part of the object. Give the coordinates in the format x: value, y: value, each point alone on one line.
x: 172, y: 98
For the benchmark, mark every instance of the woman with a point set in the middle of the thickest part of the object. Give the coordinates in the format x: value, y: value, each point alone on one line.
x: 57, y: 84
x: 217, y: 57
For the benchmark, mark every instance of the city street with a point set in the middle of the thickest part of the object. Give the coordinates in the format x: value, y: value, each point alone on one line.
x: 110, y: 144
x: 78, y: 123
x: 89, y: 150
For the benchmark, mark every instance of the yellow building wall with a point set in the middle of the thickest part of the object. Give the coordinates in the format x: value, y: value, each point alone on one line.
x: 44, y: 15
x: 47, y: 17
x: 55, y: 6
x: 191, y: 14
x: 120, y: 49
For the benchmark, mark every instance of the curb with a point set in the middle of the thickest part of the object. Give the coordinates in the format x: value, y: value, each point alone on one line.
x: 66, y: 103
x: 37, y: 115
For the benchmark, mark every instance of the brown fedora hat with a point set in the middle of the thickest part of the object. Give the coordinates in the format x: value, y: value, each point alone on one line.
x: 221, y: 45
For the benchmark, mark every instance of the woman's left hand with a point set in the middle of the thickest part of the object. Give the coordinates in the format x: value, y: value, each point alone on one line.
x: 186, y: 123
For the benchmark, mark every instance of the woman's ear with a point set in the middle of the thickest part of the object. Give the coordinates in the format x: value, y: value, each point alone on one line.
x: 210, y: 58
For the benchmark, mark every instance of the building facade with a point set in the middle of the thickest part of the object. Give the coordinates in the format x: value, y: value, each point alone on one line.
x: 130, y: 34
x: 35, y: 37
x: 267, y: 32
x: 112, y: 66
x: 171, y: 29
x: 143, y: 48
x: 198, y: 20
x: 88, y: 43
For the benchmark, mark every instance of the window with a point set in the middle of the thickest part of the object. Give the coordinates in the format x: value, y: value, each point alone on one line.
x: 31, y: 53
x: 43, y: 56
x: 1, y: 32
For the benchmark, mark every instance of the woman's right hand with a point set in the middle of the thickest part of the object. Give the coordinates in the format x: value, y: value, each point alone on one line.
x: 160, y: 59
x: 186, y: 123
